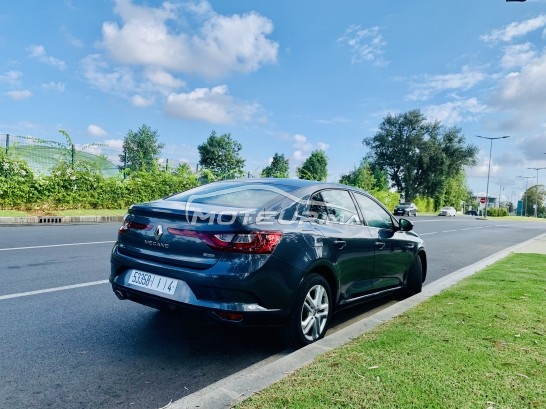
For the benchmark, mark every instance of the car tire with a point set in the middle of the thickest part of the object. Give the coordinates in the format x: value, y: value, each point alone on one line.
x: 311, y: 312
x: 415, y: 278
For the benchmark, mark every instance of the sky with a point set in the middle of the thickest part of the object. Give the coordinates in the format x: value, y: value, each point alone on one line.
x: 280, y: 76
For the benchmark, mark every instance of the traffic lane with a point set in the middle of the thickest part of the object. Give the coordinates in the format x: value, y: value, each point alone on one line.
x: 15, y: 236
x: 453, y: 245
x: 84, y: 348
x: 45, y: 267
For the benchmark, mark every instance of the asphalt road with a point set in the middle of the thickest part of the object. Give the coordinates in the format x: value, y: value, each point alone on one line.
x: 67, y: 342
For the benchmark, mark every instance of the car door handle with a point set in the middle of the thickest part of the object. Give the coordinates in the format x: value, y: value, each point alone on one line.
x: 410, y: 245
x: 379, y: 245
x: 340, y: 243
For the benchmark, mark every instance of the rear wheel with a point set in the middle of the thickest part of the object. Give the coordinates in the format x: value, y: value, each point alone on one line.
x: 310, y: 314
x: 415, y: 278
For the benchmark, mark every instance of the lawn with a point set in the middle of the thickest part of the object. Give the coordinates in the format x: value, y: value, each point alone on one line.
x: 479, y: 344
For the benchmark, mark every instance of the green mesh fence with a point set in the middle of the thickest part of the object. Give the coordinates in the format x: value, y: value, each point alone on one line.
x: 42, y: 156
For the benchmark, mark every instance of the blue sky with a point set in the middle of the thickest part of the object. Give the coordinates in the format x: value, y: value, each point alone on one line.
x: 280, y: 76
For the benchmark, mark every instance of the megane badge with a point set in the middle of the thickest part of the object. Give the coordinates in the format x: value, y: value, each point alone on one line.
x: 158, y: 232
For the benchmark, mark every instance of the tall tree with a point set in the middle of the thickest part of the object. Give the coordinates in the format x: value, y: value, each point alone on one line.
x: 141, y: 149
x: 278, y: 168
x: 220, y: 154
x: 315, y: 167
x: 419, y: 156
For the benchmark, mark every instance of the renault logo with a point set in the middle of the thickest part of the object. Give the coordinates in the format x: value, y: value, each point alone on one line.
x: 158, y: 232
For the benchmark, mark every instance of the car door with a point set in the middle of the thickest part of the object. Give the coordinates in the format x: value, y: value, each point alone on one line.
x: 393, y: 251
x: 349, y: 244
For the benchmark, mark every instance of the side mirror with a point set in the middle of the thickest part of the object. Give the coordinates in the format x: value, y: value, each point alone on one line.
x: 405, y: 225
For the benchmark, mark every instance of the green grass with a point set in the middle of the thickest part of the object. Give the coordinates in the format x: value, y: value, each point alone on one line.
x: 479, y: 344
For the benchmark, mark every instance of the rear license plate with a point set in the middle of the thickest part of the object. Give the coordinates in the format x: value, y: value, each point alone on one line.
x: 153, y: 282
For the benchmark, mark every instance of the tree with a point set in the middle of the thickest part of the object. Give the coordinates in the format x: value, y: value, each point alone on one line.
x: 361, y: 177
x: 419, y: 156
x: 141, y: 149
x: 530, y: 196
x: 278, y: 168
x: 220, y: 154
x: 314, y: 167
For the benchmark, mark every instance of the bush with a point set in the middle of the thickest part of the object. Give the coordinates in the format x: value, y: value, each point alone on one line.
x: 16, y: 182
x: 497, y: 212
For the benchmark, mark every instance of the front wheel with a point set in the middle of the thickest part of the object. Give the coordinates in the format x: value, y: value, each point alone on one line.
x: 414, y: 284
x: 310, y: 314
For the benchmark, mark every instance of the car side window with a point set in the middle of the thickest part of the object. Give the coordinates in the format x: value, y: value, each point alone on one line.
x: 335, y: 206
x: 374, y: 214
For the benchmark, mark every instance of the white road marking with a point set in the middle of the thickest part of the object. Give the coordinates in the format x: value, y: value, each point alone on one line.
x: 50, y: 290
x: 57, y: 245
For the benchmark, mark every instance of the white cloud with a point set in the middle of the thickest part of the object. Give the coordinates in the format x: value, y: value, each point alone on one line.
x: 39, y: 52
x: 157, y: 37
x: 212, y: 105
x: 367, y: 45
x: 11, y: 77
x: 455, y: 112
x: 54, y: 86
x: 19, y: 95
x: 111, y: 80
x: 433, y: 84
x: 514, y: 30
x: 141, y: 102
x: 519, y: 55
x: 96, y: 130
x: 303, y: 147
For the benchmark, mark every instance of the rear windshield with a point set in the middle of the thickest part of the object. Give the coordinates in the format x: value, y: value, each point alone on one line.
x: 241, y: 195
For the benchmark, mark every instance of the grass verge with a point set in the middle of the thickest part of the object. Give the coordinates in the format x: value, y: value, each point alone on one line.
x: 479, y: 344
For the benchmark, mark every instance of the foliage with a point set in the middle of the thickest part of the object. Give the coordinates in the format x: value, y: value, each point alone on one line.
x: 314, y: 167
x: 220, y: 154
x: 497, y: 212
x: 141, y: 149
x: 16, y: 182
x: 278, y: 168
x: 366, y: 178
x: 425, y: 204
x: 419, y: 156
x: 530, y: 196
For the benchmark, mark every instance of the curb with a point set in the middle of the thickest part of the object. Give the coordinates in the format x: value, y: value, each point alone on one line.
x: 59, y: 219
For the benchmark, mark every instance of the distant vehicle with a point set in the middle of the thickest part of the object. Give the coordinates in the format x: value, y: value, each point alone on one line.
x: 472, y: 213
x: 447, y: 211
x: 405, y: 209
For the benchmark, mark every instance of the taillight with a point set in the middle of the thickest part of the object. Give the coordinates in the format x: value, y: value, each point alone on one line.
x: 134, y: 225
x: 262, y: 242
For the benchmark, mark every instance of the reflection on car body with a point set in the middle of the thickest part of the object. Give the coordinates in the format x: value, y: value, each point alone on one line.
x: 279, y: 252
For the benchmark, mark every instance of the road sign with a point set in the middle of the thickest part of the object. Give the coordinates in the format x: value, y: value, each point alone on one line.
x: 482, y: 199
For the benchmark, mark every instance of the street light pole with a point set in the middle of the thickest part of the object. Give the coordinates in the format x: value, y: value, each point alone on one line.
x: 536, y: 191
x: 489, y: 167
x: 525, y: 193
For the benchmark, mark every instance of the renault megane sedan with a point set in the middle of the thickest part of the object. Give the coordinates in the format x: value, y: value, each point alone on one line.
x: 281, y: 252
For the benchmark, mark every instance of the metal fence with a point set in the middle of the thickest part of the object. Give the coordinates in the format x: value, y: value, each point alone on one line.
x: 42, y: 156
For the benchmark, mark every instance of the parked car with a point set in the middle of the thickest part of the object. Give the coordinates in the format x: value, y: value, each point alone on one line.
x: 471, y: 212
x: 280, y: 252
x: 405, y: 209
x: 447, y: 211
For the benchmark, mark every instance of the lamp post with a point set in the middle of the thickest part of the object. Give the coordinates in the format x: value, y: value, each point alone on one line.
x: 536, y: 191
x: 525, y: 193
x: 489, y: 167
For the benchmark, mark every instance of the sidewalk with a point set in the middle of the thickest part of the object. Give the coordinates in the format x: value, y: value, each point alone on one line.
x: 234, y: 389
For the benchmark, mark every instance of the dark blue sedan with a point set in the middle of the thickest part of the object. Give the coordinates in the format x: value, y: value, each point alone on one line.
x: 281, y: 252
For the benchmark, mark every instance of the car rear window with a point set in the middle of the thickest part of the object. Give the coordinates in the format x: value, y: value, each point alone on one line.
x: 241, y: 195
